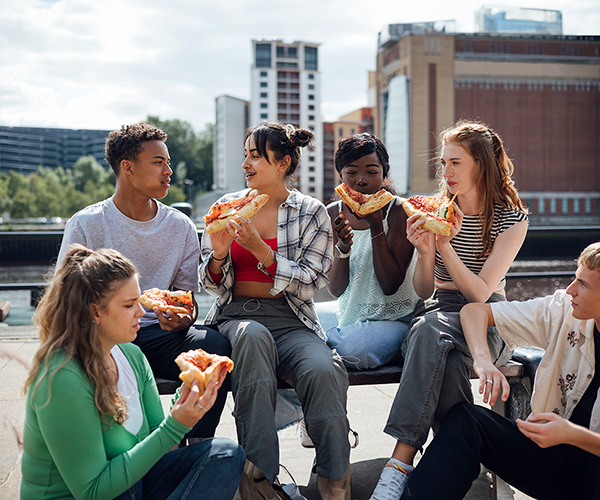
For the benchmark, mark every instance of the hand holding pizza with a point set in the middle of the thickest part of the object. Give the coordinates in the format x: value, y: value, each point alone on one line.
x: 421, y: 239
x: 454, y: 230
x: 190, y: 407
x: 343, y: 231
x: 244, y: 233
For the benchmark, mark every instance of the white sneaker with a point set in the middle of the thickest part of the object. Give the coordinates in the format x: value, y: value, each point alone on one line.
x: 392, y: 481
x: 303, y: 436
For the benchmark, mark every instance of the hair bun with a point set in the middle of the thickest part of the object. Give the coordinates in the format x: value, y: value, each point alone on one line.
x: 301, y: 137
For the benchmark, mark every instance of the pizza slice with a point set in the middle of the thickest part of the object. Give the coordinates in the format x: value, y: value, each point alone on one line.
x: 178, y: 301
x: 220, y: 213
x: 203, y: 367
x: 438, y: 214
x: 363, y: 204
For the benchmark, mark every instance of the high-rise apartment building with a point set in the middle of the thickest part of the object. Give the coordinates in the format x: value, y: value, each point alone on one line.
x: 24, y: 149
x: 504, y: 19
x: 540, y: 92
x: 228, y: 149
x: 286, y: 87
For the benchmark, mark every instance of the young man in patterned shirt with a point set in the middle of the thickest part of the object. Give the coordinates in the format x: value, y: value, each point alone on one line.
x: 555, y: 452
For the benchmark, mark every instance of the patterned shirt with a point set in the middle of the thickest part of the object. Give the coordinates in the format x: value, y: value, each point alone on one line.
x: 468, y: 243
x: 304, y: 257
x: 567, y: 367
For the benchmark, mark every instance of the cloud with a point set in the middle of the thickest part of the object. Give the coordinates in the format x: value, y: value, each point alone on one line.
x: 90, y: 64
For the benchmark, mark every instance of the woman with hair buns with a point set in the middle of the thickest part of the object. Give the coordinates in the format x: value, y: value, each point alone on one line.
x: 265, y: 272
x: 467, y: 266
x: 94, y: 425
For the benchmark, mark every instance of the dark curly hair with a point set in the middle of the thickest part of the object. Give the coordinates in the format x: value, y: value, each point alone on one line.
x: 282, y: 139
x: 126, y: 144
x: 358, y: 145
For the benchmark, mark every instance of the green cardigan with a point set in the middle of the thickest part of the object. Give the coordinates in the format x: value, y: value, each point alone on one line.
x: 68, y: 450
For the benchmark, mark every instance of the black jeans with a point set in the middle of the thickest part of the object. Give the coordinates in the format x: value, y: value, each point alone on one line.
x: 162, y: 347
x: 471, y: 435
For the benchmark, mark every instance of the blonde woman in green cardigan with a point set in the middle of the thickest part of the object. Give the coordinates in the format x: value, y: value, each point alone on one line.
x: 94, y: 426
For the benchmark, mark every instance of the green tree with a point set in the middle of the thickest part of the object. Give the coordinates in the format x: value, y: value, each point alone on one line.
x: 88, y: 170
x: 190, y: 150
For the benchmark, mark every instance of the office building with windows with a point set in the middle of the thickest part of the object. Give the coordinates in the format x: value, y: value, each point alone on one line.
x: 24, y: 149
x: 540, y: 92
x: 499, y: 19
x: 285, y: 87
x: 231, y: 122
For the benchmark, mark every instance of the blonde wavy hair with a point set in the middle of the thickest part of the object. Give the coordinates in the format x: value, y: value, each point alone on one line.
x: 493, y: 173
x: 65, y: 320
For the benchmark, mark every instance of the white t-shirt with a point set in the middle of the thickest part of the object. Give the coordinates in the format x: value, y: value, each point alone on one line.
x: 128, y: 388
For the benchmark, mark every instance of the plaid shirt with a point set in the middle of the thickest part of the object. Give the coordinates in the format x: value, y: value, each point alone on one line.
x: 304, y: 257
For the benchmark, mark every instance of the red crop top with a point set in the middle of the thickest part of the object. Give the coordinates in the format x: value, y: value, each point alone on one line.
x: 244, y: 264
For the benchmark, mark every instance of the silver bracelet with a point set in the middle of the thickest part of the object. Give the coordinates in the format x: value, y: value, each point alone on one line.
x: 377, y: 235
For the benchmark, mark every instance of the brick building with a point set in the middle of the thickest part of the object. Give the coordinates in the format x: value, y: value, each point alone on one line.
x: 540, y: 92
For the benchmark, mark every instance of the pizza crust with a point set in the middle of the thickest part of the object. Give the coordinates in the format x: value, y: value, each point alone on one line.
x: 247, y: 211
x: 372, y: 203
x: 431, y: 224
x: 203, y: 367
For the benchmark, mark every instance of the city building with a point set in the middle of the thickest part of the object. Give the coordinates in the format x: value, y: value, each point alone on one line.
x: 504, y: 19
x: 24, y: 149
x: 356, y: 122
x: 231, y: 122
x: 285, y: 87
x: 540, y: 92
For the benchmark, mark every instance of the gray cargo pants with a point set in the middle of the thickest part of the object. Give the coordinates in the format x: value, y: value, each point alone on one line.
x: 269, y: 341
x: 437, y: 368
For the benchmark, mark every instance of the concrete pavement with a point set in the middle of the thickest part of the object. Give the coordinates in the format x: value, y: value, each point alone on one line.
x: 368, y: 408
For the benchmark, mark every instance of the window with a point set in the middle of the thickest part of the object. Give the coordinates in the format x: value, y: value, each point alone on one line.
x: 311, y: 86
x: 565, y: 205
x: 311, y: 128
x: 287, y: 52
x: 310, y: 58
x: 541, y: 205
x: 311, y: 158
x: 588, y: 205
x: 311, y: 179
x: 311, y: 97
x: 264, y: 116
x: 311, y: 117
x: 311, y: 189
x: 341, y: 132
x: 263, y: 73
x: 264, y: 94
x: 311, y: 76
x: 311, y: 107
x: 263, y: 105
x: 311, y: 169
x: 352, y: 131
x: 552, y: 205
x: 263, y: 84
x: 263, y: 55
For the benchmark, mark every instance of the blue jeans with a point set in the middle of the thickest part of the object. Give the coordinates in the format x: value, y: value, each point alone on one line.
x: 369, y: 344
x: 210, y: 470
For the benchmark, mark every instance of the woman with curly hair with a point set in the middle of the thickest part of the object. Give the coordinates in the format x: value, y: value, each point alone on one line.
x: 265, y: 273
x: 94, y: 425
x: 469, y: 265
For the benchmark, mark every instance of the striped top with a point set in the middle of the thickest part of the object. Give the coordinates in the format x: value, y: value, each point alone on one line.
x: 468, y: 243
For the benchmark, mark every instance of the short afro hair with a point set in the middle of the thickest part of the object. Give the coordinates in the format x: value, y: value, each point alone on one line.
x: 126, y: 144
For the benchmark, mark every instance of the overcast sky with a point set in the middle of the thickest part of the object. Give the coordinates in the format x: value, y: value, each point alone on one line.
x: 101, y: 63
